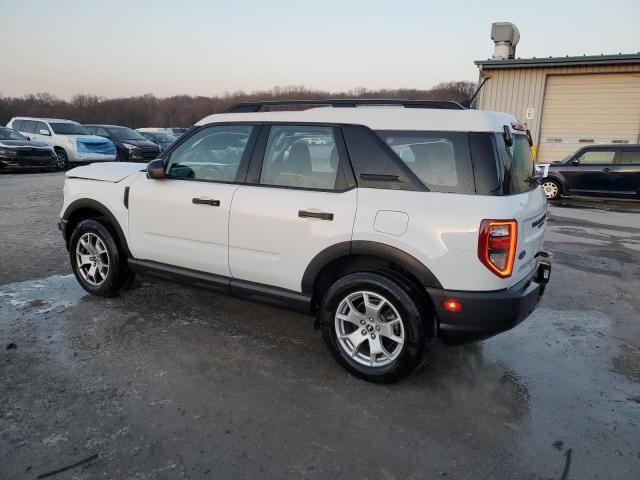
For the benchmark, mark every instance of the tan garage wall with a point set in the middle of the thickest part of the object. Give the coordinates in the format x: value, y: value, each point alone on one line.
x: 522, y: 89
x: 581, y: 110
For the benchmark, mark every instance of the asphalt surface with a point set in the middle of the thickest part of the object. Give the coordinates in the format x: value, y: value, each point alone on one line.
x: 168, y: 382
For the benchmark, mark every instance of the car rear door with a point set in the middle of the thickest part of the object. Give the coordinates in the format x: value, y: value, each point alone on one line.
x: 626, y: 172
x: 182, y: 220
x: 297, y: 202
x: 590, y: 172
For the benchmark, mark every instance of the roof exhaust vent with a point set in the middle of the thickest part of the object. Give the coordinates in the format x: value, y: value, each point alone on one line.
x: 506, y: 36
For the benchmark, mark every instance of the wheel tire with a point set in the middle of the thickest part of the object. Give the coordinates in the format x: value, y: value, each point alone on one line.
x: 63, y: 159
x: 411, y: 352
x: 117, y: 273
x: 552, y: 189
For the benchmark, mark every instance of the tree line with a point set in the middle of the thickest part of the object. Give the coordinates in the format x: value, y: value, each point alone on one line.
x: 184, y: 110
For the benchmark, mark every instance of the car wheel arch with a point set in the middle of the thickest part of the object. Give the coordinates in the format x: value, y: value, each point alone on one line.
x: 86, y: 208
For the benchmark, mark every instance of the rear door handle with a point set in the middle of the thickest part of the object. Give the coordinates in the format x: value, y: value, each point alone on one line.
x: 320, y: 215
x: 606, y: 169
x: 206, y: 201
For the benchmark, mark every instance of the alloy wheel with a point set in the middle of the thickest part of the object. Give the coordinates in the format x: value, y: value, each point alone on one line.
x: 369, y: 329
x: 92, y: 259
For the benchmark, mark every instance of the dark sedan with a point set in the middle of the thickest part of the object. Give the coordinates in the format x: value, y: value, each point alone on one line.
x: 130, y: 145
x: 17, y: 151
x: 598, y: 170
x: 164, y: 140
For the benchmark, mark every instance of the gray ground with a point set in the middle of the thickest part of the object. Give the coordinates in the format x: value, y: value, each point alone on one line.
x: 169, y: 382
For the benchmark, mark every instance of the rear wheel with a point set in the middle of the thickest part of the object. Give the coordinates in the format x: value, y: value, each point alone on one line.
x: 551, y: 188
x: 373, y: 327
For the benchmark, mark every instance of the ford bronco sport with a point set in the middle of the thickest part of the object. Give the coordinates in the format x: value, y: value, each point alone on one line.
x: 390, y: 221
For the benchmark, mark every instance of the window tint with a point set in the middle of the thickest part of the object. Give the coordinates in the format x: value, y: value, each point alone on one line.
x: 439, y: 159
x: 41, y: 126
x: 629, y: 156
x: 597, y: 156
x: 17, y: 125
x: 212, y: 154
x: 519, y: 167
x: 28, y: 126
x: 300, y: 156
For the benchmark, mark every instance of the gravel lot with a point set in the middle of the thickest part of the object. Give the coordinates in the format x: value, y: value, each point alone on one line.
x: 167, y: 382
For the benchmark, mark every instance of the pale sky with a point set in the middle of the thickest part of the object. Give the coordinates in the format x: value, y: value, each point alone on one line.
x: 118, y: 48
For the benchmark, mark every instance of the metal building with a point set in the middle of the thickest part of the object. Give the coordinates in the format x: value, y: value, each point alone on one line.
x: 567, y: 102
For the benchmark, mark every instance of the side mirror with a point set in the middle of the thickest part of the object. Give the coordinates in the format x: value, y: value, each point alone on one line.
x: 44, y: 131
x: 27, y: 137
x: 575, y: 161
x: 529, y: 137
x: 155, y: 169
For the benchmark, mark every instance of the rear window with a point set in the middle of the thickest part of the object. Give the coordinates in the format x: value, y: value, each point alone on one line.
x: 441, y: 160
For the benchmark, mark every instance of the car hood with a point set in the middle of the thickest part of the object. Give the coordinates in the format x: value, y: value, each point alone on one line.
x: 106, y: 171
x: 22, y: 143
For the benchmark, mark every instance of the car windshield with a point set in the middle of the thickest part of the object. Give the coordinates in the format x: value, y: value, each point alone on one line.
x: 124, y: 133
x: 69, y: 129
x: 9, y: 134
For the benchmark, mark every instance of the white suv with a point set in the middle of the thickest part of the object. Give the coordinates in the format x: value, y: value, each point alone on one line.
x: 390, y: 225
x: 72, y: 142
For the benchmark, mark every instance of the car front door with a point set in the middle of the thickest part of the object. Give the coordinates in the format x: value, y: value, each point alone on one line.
x: 590, y: 172
x: 182, y: 220
x: 626, y: 172
x: 299, y: 200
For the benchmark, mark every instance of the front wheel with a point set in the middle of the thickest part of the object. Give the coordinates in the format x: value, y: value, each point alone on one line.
x: 373, y: 327
x: 63, y: 160
x: 551, y: 189
x: 97, y: 261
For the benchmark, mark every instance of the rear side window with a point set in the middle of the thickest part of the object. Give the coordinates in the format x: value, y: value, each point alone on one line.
x: 301, y: 156
x: 28, y: 126
x: 629, y: 157
x: 440, y: 160
x: 17, y: 125
x: 519, y: 166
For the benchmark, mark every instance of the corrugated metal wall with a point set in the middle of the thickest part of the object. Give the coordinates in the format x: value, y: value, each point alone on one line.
x: 514, y: 90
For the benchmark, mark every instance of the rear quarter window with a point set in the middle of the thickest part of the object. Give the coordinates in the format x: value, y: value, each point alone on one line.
x: 441, y: 160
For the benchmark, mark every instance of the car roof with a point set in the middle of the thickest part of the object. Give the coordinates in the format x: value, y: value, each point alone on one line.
x: 609, y: 146
x: 43, y: 119
x: 381, y: 118
x: 102, y: 125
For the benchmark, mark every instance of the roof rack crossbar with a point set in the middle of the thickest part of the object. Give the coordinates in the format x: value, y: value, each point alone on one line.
x: 251, y: 107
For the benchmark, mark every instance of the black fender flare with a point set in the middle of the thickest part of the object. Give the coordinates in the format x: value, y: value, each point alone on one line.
x: 374, y: 249
x: 99, y: 207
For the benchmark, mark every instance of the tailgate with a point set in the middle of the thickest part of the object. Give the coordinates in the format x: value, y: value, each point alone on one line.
x: 532, y: 223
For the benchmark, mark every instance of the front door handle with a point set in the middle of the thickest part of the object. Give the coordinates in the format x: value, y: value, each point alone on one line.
x: 606, y: 169
x: 206, y: 201
x: 320, y: 215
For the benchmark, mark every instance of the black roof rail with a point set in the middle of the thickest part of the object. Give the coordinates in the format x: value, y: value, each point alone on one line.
x: 250, y: 107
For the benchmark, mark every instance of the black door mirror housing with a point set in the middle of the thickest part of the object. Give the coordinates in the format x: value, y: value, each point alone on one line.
x: 575, y: 161
x: 155, y: 169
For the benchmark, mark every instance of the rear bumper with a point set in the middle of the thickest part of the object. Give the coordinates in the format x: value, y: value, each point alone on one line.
x: 485, y: 314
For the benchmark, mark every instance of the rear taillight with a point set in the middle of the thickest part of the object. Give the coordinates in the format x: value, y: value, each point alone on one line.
x: 497, y: 245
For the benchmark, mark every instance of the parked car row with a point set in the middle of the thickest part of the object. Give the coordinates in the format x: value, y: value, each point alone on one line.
x: 65, y: 142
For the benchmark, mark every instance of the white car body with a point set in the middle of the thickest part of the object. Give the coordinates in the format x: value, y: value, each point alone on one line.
x: 78, y: 148
x: 257, y: 242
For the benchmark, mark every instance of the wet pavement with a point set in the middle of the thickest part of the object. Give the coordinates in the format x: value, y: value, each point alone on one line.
x: 168, y: 382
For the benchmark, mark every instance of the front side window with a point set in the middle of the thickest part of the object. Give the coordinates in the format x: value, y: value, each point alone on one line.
x: 302, y: 157
x: 41, y: 126
x: 439, y: 159
x: 630, y: 157
x: 597, y: 157
x: 211, y: 154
